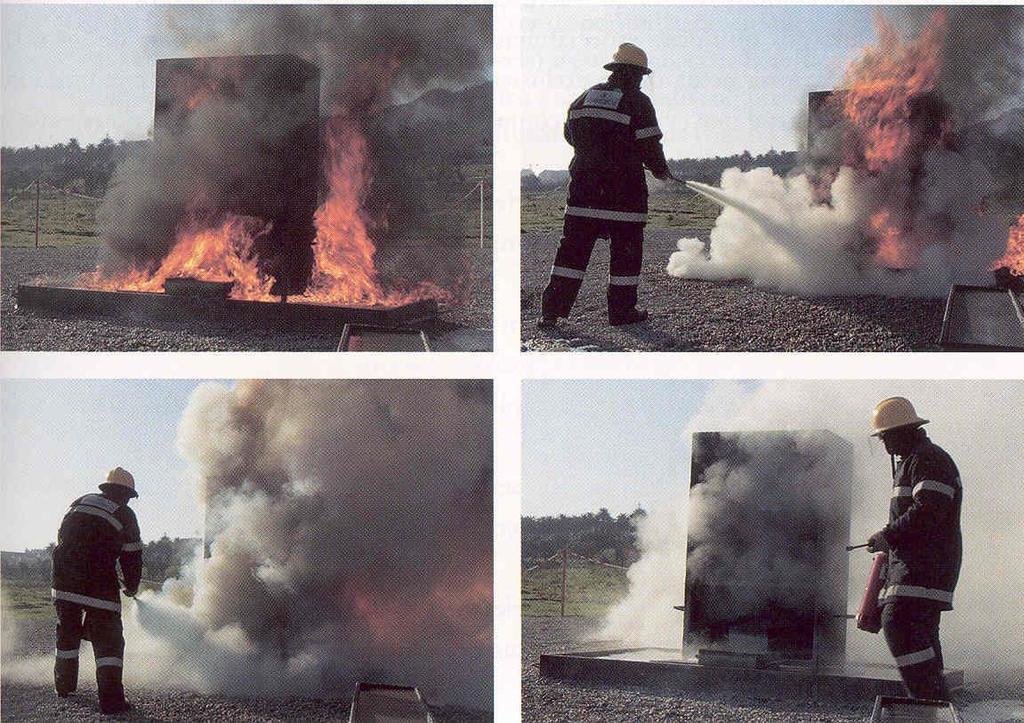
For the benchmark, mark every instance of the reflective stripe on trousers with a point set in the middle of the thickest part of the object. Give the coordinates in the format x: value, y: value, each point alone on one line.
x: 579, y: 235
x: 921, y: 656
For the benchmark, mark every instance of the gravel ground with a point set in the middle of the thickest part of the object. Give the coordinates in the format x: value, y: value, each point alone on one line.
x: 21, y: 702
x: 26, y: 331
x: 547, y: 701
x: 689, y: 315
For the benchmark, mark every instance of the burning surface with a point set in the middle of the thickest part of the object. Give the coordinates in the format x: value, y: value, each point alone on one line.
x: 892, y: 198
x: 228, y: 124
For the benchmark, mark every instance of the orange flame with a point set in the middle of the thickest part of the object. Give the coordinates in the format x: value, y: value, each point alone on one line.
x: 894, y: 249
x: 1013, y: 259
x: 222, y: 252
x: 882, y: 84
x: 344, y: 270
x: 460, y: 601
x: 887, y: 89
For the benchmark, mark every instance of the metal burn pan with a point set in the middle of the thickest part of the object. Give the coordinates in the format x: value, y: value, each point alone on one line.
x: 982, y: 318
x: 377, y: 702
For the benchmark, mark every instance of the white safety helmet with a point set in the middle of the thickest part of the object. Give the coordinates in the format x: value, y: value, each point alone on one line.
x: 121, y: 477
x: 893, y: 413
x: 629, y: 55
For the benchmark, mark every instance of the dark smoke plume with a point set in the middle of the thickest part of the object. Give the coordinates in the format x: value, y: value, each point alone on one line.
x: 370, y: 58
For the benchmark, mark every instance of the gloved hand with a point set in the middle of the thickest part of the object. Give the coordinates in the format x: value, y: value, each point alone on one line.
x: 878, y: 543
x: 130, y: 593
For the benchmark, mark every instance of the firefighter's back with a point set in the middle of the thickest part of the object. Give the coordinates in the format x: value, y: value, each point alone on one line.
x: 88, y: 545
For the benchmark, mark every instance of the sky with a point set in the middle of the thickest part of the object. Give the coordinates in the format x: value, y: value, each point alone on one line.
x: 589, y: 444
x: 59, y: 438
x: 88, y: 71
x: 726, y: 78
x: 79, y: 71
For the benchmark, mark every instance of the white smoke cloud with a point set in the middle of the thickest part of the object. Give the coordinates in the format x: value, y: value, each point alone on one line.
x: 352, y: 540
x: 977, y: 422
x: 774, y: 233
x: 779, y: 233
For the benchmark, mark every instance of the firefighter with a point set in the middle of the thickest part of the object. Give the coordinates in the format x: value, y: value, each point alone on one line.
x: 614, y: 132
x: 923, y: 544
x: 97, y: 533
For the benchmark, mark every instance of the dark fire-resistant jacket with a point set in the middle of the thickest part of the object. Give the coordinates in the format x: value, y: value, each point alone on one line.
x: 924, y: 528
x: 96, y: 534
x: 615, y: 133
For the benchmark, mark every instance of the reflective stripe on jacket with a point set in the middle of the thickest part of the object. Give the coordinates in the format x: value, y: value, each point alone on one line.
x: 614, y: 132
x: 924, y: 528
x: 96, y: 534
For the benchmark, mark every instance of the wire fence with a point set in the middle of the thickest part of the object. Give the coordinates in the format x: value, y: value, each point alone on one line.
x: 572, y: 583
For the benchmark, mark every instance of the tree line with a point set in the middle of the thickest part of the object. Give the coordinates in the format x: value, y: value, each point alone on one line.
x: 599, y: 536
x: 703, y: 170
x: 86, y: 170
x: 161, y: 559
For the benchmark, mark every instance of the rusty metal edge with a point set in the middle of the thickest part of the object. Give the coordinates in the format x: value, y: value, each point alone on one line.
x: 293, y: 317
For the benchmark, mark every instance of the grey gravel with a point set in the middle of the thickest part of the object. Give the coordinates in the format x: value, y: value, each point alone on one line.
x: 548, y: 701
x: 20, y: 702
x: 691, y: 315
x: 26, y: 331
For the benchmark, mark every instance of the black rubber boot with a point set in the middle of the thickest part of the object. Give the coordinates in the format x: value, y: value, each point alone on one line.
x: 111, y: 690
x: 633, y: 316
x: 65, y: 676
x: 123, y: 709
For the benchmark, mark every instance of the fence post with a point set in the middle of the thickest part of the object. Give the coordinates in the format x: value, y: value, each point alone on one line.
x: 565, y: 565
x: 37, y: 213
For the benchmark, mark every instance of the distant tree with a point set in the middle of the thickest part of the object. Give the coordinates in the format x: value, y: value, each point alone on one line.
x: 599, y: 536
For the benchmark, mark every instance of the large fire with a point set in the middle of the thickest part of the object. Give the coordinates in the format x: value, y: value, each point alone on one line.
x: 217, y: 245
x: 883, y: 85
x: 892, y: 121
x: 1013, y: 259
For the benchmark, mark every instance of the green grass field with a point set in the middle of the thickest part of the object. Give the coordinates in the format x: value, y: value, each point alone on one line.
x: 26, y: 599
x: 30, y: 598
x: 591, y: 590
x: 63, y: 220
x: 542, y: 212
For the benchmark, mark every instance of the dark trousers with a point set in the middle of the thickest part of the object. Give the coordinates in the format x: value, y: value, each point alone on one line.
x: 103, y: 629
x: 579, y: 235
x: 912, y: 631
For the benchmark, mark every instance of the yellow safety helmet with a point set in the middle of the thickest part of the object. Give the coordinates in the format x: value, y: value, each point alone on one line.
x: 121, y: 476
x: 893, y: 413
x: 630, y: 55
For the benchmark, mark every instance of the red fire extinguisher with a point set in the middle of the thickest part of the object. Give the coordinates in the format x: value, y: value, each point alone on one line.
x: 869, y: 616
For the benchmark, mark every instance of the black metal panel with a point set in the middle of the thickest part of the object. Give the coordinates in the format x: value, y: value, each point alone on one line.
x: 293, y: 317
x: 782, y: 498
x: 983, y: 318
x: 276, y: 99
